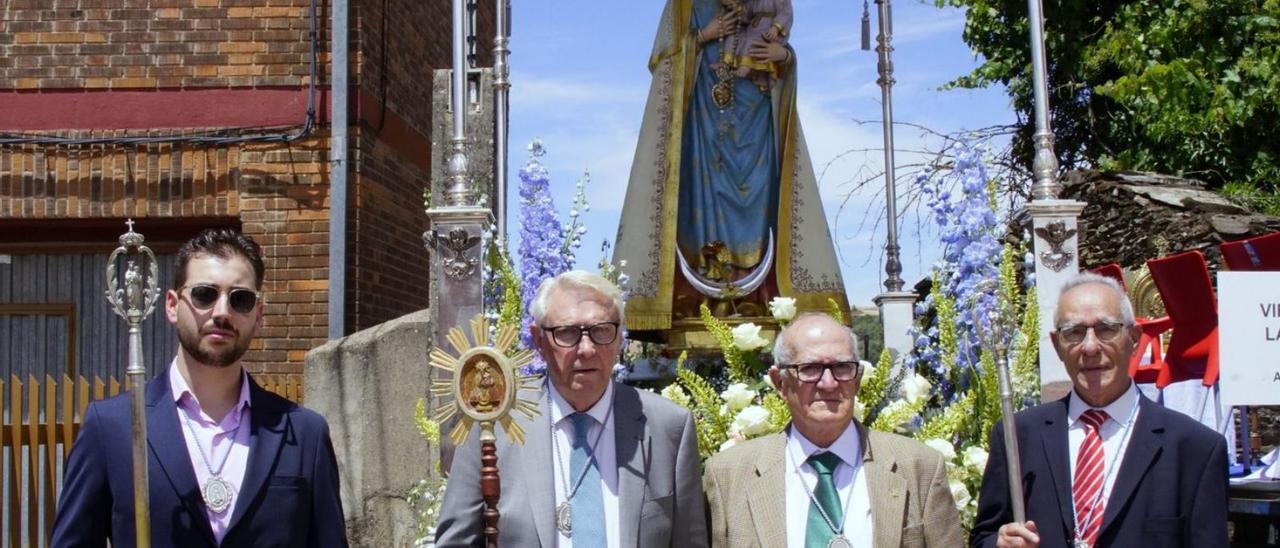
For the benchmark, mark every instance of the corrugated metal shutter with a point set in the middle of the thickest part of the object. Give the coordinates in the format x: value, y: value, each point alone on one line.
x: 35, y: 342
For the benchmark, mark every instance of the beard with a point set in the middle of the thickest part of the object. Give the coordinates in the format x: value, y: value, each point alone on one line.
x: 219, y: 357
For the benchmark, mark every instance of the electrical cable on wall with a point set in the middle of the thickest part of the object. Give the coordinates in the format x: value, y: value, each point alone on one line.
x: 221, y: 136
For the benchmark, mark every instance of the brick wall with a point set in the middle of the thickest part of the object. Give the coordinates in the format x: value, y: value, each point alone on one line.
x: 113, y: 44
x: 60, y: 54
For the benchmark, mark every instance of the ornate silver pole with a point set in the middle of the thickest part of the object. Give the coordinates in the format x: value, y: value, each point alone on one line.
x: 1045, y: 164
x: 896, y: 306
x: 501, y: 90
x: 996, y: 332
x: 1055, y: 222
x: 884, y: 65
x: 457, y: 227
x: 460, y: 191
x: 133, y: 296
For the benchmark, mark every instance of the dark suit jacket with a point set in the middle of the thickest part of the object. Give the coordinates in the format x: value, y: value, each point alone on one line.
x: 289, y: 496
x: 659, y: 480
x: 1170, y: 489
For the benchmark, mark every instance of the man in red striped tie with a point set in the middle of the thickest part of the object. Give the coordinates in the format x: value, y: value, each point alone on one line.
x: 1105, y: 466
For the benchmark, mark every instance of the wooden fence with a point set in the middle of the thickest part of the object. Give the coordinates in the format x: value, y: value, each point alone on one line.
x: 41, y: 420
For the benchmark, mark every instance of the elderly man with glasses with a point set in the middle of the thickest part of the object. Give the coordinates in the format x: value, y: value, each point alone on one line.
x: 604, y: 465
x: 1105, y: 466
x: 827, y: 481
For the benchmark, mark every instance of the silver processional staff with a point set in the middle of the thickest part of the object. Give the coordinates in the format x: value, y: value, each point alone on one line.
x: 132, y: 294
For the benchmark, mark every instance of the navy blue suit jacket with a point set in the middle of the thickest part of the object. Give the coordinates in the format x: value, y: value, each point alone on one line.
x: 1170, y: 489
x: 289, y: 496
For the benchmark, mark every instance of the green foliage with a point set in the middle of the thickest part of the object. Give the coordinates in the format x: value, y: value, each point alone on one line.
x: 951, y: 421
x: 948, y: 340
x: 875, y: 388
x: 779, y: 412
x: 834, y: 310
x: 428, y: 428
x: 1025, y: 367
x: 713, y: 426
x: 733, y: 357
x: 1187, y: 87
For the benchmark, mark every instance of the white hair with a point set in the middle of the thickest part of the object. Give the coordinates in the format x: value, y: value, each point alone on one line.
x: 576, y: 279
x: 1085, y: 278
x: 783, y: 353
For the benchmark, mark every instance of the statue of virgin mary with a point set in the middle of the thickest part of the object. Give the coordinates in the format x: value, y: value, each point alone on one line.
x: 722, y: 206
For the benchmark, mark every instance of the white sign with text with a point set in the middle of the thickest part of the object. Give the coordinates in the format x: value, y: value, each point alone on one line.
x: 1249, y: 337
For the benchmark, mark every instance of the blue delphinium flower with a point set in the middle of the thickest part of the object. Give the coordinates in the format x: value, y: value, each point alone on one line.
x: 541, y: 248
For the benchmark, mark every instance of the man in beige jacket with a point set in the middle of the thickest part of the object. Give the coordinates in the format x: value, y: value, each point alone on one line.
x: 827, y: 481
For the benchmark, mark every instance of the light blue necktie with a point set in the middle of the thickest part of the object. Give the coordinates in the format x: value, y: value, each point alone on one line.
x: 588, y: 503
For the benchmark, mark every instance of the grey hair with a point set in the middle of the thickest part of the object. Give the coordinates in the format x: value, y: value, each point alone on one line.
x: 783, y: 353
x: 576, y: 279
x: 1085, y: 278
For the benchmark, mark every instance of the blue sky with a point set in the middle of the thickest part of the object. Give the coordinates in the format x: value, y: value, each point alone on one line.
x: 579, y: 80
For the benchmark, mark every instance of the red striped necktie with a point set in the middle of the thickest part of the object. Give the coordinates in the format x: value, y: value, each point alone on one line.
x: 1086, y: 487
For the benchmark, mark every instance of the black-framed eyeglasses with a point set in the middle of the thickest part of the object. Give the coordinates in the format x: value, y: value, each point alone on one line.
x: 1105, y: 331
x: 812, y: 372
x: 568, y: 336
x: 204, y: 296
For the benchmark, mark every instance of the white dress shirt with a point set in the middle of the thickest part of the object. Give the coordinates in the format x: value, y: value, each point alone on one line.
x: 605, y: 452
x: 1121, y: 414
x: 851, y: 485
x: 216, y: 440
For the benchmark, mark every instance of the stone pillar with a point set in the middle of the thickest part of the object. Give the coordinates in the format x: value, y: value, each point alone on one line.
x: 1055, y: 224
x: 897, y: 314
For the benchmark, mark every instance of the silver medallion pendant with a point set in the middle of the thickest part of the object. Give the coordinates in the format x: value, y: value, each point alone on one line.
x: 217, y: 494
x: 564, y: 518
x: 839, y: 541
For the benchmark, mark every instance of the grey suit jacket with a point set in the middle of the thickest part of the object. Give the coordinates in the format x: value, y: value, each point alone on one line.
x: 659, y: 484
x: 911, y: 504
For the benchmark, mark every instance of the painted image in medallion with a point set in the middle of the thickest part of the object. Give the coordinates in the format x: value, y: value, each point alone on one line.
x: 483, y: 385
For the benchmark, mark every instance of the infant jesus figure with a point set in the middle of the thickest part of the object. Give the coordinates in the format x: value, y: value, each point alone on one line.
x: 763, y: 21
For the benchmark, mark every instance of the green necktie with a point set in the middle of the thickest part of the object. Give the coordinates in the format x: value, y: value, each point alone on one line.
x: 817, y: 533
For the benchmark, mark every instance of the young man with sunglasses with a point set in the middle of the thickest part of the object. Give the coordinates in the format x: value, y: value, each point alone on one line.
x: 229, y: 463
x: 603, y: 465
x: 827, y: 481
x: 1105, y: 466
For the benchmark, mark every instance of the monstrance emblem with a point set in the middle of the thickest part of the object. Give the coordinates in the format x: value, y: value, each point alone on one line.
x: 483, y: 382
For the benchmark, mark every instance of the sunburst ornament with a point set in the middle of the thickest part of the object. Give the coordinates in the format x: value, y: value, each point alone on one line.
x: 483, y: 382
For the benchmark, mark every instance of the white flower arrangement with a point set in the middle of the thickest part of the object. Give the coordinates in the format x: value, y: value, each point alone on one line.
x: 746, y: 337
x: 738, y: 396
x: 783, y: 309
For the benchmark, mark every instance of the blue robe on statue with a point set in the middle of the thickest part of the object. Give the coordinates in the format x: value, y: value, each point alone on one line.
x: 728, y: 164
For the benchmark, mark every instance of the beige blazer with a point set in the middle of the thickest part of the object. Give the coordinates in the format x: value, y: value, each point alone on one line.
x: 911, y: 504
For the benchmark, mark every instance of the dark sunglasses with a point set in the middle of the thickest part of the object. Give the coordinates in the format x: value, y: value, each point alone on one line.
x: 204, y: 296
x: 568, y: 336
x: 812, y: 372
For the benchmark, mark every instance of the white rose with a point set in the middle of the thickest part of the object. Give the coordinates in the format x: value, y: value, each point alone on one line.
x: 676, y: 394
x: 732, y: 441
x: 738, y: 396
x: 914, y: 388
x: 942, y: 446
x: 783, y: 308
x: 751, y: 421
x: 976, y: 457
x: 746, y: 337
x: 960, y: 493
x: 859, y: 410
x: 868, y: 369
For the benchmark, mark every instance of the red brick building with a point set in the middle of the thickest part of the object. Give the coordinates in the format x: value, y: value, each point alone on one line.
x: 183, y: 114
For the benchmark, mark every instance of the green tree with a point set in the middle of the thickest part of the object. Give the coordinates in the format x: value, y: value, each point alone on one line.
x: 1186, y: 87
